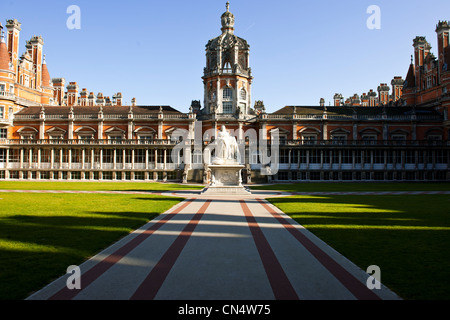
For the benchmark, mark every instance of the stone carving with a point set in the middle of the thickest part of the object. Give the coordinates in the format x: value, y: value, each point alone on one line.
x: 226, y: 168
x: 227, y: 149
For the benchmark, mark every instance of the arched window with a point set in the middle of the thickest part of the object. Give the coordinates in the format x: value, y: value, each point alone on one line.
x: 227, y: 67
x: 243, y: 94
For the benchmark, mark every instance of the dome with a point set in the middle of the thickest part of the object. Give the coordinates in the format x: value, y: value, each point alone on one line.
x: 227, y: 20
x: 227, y: 40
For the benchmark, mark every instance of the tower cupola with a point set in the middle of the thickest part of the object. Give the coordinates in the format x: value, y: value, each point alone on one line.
x: 227, y: 75
x: 228, y: 21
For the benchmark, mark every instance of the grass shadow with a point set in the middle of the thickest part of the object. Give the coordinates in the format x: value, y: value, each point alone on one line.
x: 408, y: 237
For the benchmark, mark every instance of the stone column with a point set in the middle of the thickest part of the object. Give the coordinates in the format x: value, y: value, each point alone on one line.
x: 42, y: 130
x: 160, y: 129
x: 92, y: 158
x: 70, y: 130
x: 294, y: 130
x: 130, y: 129
x: 60, y: 158
x: 52, y: 162
x: 115, y: 159
x: 21, y: 158
x: 100, y: 130
x: 355, y: 131
x: 124, y: 161
x: 325, y: 131
x: 240, y: 131
x: 7, y: 164
x: 39, y: 158
x: 165, y: 157
x: 101, y: 159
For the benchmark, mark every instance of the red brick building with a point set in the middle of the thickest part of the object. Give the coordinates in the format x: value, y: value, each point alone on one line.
x: 50, y: 130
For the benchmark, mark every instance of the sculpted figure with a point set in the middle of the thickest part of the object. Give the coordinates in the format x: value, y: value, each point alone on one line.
x: 227, y: 150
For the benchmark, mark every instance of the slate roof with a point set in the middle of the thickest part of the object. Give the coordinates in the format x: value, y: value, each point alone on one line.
x: 344, y: 110
x: 54, y: 110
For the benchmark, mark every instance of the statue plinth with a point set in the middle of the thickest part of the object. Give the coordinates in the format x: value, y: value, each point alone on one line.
x: 226, y: 179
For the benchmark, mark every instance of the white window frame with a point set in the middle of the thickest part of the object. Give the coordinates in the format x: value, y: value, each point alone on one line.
x: 27, y: 136
x: 369, y: 138
x: 434, y: 137
x: 243, y: 94
x: 227, y: 107
x: 53, y: 136
x: 243, y: 107
x: 227, y: 94
x: 339, y: 138
x: 3, y: 133
x: 85, y: 136
x: 399, y: 138
x: 145, y: 136
x: 197, y: 157
x: 115, y: 136
x: 309, y: 138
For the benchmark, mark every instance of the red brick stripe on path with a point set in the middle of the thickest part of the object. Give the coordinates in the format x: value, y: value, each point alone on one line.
x: 92, y: 274
x: 154, y: 281
x: 281, y: 286
x: 359, y: 290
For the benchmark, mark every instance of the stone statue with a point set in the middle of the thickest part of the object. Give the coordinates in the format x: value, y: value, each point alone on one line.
x: 227, y: 149
x: 226, y: 168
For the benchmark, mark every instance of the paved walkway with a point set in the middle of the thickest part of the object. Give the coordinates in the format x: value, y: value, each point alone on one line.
x: 218, y: 248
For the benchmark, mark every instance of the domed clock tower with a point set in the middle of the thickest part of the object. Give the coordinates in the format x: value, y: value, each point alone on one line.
x: 227, y: 76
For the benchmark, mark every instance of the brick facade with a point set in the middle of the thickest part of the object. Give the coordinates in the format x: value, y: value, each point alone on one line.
x: 51, y: 130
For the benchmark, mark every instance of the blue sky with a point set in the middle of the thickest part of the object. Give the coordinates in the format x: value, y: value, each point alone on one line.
x: 301, y: 51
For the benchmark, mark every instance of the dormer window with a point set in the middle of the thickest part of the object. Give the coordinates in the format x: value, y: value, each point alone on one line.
x: 115, y: 135
x: 56, y: 133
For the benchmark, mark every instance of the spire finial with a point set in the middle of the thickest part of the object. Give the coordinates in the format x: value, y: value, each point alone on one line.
x: 411, y: 59
x: 228, y: 6
x: 2, y: 37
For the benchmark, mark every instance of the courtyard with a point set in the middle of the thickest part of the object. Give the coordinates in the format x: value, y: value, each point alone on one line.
x: 46, y: 227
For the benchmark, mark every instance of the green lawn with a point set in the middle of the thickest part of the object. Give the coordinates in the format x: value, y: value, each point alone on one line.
x: 407, y: 236
x: 96, y: 186
x: 42, y: 234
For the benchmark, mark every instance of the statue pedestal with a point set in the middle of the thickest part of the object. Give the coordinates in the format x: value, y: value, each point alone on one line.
x: 226, y: 180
